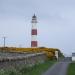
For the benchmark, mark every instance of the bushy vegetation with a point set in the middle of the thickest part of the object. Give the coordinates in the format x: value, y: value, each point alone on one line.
x: 37, y: 69
x: 50, y: 52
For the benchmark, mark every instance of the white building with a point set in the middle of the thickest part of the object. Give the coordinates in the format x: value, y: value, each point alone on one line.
x: 56, y: 54
x: 73, y: 56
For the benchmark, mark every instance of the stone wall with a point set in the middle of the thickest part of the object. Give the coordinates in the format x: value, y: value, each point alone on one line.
x: 28, y: 60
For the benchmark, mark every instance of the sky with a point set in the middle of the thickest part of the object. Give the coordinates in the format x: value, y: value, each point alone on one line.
x: 56, y: 23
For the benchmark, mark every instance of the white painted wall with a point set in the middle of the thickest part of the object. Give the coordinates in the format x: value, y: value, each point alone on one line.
x: 73, y: 58
x: 56, y: 54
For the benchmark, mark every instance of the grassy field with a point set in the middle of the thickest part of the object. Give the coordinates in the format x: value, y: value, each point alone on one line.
x: 23, y: 70
x: 71, y: 69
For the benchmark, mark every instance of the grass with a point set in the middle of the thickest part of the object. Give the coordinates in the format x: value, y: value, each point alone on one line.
x: 37, y: 69
x: 71, y: 69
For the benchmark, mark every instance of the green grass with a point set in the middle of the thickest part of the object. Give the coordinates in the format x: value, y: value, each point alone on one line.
x: 39, y: 69
x: 71, y: 69
x: 35, y: 70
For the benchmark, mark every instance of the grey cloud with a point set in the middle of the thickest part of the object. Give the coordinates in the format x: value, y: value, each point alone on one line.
x: 55, y: 22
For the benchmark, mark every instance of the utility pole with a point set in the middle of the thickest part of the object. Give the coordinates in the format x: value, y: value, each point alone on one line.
x: 4, y: 39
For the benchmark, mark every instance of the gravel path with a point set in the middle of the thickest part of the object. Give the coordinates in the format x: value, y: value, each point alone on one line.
x: 59, y: 68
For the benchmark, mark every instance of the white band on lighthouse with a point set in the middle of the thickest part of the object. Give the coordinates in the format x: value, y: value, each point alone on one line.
x: 34, y: 38
x: 34, y: 26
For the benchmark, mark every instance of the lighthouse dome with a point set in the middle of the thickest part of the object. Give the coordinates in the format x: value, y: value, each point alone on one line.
x: 34, y: 19
x: 34, y: 16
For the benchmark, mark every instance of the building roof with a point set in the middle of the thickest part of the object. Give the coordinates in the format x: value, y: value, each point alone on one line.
x: 73, y: 54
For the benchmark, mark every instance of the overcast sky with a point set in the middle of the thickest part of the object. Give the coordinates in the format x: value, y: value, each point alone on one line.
x: 56, y: 23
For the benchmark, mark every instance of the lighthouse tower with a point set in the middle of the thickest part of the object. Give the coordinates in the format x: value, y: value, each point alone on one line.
x: 34, y: 32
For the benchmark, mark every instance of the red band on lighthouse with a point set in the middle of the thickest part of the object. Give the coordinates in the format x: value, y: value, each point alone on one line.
x: 33, y: 43
x: 34, y: 32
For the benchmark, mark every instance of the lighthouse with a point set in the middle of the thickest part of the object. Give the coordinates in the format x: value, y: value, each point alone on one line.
x: 34, y: 32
